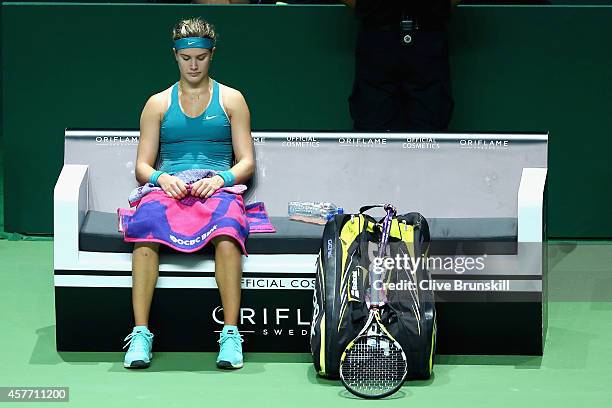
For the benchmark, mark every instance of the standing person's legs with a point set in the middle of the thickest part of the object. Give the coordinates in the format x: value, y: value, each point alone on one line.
x: 427, y: 96
x: 228, y: 273
x: 145, y: 270
x: 376, y: 100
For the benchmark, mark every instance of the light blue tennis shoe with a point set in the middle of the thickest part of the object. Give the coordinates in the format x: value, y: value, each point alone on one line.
x: 139, y: 354
x: 230, y: 355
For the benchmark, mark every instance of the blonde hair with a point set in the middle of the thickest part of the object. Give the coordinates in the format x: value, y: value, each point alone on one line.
x: 194, y: 27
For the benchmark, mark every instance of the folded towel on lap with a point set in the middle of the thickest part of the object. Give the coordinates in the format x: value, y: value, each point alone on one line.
x: 187, y: 225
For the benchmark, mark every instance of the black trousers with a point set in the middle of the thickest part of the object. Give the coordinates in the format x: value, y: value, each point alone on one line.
x: 401, y: 87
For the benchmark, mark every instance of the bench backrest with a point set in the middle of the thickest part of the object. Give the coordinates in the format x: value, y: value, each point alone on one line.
x: 440, y: 175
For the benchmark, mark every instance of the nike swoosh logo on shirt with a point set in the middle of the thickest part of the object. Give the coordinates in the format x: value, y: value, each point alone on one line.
x: 210, y: 117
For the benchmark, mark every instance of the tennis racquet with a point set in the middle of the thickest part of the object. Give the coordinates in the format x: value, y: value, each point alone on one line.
x: 374, y: 365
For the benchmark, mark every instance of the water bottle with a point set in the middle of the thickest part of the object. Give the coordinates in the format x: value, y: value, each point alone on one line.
x: 313, y: 212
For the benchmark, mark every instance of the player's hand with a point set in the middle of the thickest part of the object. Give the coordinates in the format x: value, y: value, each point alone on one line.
x: 206, y: 187
x: 173, y: 186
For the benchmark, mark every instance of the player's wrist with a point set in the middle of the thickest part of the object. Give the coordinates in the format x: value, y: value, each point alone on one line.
x: 228, y: 178
x: 155, y: 176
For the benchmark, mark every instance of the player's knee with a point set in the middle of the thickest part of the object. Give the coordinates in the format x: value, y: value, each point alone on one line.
x: 225, y: 245
x: 146, y: 249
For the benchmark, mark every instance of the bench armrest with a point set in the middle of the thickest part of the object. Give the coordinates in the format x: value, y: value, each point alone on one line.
x: 70, y: 205
x: 531, y: 205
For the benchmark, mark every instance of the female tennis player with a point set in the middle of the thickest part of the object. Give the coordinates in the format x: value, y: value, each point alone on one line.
x: 197, y: 123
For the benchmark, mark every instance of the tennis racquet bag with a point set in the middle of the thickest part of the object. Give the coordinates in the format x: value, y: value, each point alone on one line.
x: 349, y: 248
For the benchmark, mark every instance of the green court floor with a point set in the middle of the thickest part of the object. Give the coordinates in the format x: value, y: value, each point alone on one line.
x: 574, y: 372
x: 1, y: 189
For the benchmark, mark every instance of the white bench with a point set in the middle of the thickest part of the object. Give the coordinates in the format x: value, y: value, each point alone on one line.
x: 479, y: 191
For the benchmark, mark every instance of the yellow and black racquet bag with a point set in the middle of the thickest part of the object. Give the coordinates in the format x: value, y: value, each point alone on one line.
x: 349, y: 248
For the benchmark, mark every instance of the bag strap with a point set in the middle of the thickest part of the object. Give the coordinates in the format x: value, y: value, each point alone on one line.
x: 386, y: 227
x: 378, y: 297
x: 369, y: 207
x: 386, y: 207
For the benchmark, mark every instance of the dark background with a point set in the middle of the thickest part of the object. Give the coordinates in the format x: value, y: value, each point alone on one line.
x: 515, y: 69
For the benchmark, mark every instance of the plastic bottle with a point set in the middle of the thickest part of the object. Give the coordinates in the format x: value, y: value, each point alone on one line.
x: 313, y: 212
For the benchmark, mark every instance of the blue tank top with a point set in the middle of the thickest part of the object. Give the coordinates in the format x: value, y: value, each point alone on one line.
x: 204, y: 142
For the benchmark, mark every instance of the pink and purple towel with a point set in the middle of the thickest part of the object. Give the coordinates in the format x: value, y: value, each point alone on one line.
x: 187, y: 225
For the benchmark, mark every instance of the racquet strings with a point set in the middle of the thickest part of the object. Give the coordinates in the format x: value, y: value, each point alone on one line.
x: 374, y: 366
